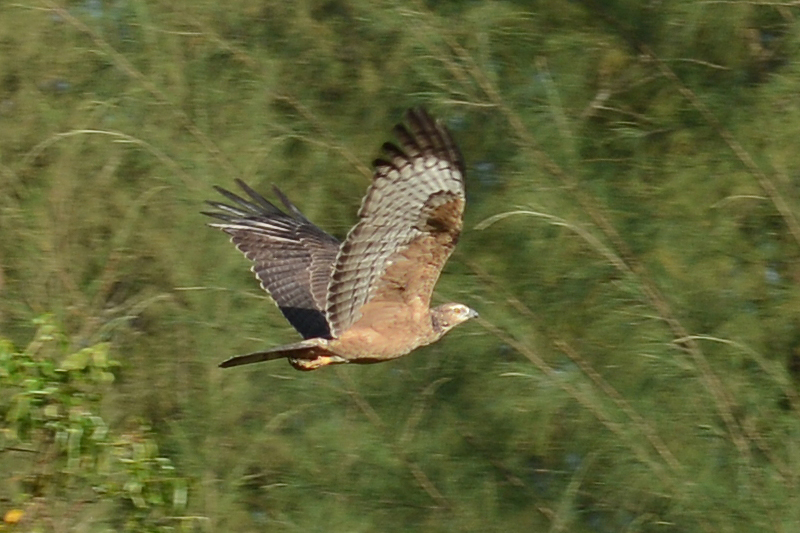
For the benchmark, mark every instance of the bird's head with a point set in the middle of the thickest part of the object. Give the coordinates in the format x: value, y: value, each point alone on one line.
x: 447, y: 316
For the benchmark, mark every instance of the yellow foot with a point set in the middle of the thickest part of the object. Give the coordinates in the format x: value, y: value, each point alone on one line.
x: 318, y: 362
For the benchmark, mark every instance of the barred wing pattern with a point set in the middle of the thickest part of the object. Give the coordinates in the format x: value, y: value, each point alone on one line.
x: 292, y: 258
x: 409, y: 224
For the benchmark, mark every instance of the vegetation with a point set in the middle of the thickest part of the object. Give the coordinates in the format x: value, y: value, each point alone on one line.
x: 631, y: 243
x: 60, y: 457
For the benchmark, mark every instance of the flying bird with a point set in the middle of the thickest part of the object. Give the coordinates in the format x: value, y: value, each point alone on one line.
x: 367, y: 299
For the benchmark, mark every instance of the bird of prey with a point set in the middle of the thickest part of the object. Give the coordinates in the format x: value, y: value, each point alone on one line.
x: 367, y: 299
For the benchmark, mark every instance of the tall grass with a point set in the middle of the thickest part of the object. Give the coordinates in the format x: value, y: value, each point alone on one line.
x: 630, y: 242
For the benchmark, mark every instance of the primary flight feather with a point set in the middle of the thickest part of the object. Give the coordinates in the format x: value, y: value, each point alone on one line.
x: 367, y: 299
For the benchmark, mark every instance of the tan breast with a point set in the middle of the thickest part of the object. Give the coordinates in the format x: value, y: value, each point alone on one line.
x: 386, y: 330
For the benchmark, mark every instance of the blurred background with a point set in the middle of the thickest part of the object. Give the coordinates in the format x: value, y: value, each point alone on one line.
x: 631, y: 242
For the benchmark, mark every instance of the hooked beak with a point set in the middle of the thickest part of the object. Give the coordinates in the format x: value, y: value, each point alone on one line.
x: 472, y: 314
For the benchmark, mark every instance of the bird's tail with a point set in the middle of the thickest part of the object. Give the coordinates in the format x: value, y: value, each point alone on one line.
x: 309, y: 354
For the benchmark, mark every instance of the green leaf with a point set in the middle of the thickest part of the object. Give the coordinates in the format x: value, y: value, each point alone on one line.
x: 78, y: 360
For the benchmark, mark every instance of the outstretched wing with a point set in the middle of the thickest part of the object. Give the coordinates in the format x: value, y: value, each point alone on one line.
x: 409, y: 224
x: 293, y: 259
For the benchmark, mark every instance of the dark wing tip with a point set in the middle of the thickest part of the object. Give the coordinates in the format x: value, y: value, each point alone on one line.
x: 252, y: 206
x: 422, y: 133
x: 380, y: 163
x: 419, y: 111
x: 238, y: 200
x: 289, y: 205
x: 419, y: 115
x: 218, y: 216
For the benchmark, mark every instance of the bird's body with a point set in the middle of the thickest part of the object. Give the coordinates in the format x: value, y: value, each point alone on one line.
x: 367, y: 299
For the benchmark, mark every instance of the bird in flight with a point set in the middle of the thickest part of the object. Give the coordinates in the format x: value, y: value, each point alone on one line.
x: 367, y: 299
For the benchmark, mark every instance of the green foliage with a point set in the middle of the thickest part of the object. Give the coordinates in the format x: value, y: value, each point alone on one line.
x: 631, y: 243
x: 62, y: 462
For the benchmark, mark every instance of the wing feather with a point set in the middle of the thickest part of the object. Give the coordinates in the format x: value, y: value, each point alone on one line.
x: 409, y: 224
x: 292, y: 258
